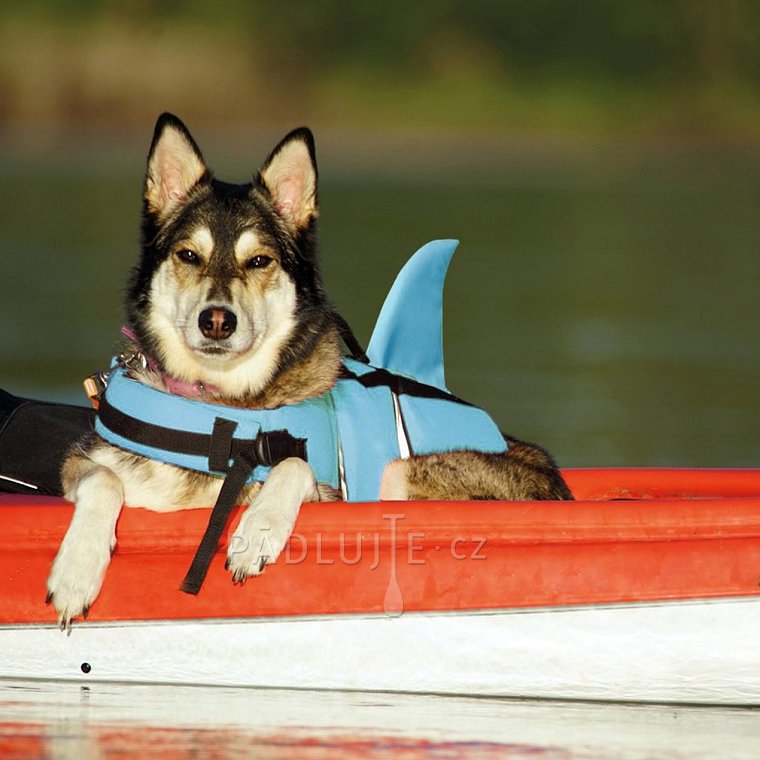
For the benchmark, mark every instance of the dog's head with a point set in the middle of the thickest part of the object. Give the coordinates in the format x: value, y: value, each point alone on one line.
x: 227, y: 290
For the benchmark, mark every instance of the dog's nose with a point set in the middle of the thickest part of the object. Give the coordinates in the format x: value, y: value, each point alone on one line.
x: 217, y: 323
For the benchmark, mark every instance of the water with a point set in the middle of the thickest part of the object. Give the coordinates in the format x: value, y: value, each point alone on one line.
x: 62, y: 720
x: 604, y: 305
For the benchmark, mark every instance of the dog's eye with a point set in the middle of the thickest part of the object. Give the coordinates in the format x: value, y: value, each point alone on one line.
x: 186, y: 256
x: 258, y: 262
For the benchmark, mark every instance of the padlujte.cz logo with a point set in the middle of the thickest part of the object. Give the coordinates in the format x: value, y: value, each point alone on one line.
x: 414, y: 548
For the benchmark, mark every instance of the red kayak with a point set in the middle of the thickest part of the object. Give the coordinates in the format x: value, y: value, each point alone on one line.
x: 644, y: 588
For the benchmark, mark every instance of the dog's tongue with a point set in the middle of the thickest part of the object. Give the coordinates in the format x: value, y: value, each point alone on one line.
x: 408, y: 335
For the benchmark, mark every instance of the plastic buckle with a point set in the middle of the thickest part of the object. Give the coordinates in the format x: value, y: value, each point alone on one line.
x: 94, y: 386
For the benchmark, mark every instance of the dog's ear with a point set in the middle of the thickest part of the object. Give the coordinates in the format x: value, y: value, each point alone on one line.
x: 290, y: 177
x: 175, y: 165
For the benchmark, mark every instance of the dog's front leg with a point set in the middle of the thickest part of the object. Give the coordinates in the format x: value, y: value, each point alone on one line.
x: 268, y: 522
x: 85, y: 553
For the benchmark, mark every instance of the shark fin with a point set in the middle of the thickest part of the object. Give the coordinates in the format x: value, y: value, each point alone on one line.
x: 408, y: 335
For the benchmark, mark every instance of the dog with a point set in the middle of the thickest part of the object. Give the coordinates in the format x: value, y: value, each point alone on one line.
x: 228, y: 302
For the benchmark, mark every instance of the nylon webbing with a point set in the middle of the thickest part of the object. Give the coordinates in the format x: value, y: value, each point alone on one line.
x: 267, y: 449
x: 351, y: 341
x: 241, y: 470
x: 401, y: 385
x: 218, y: 448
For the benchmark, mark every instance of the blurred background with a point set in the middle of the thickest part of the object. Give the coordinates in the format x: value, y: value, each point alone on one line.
x: 598, y: 160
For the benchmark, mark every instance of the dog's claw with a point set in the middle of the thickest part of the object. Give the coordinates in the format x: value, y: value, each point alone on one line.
x: 49, y: 597
x: 239, y: 578
x: 86, y: 612
x: 240, y: 575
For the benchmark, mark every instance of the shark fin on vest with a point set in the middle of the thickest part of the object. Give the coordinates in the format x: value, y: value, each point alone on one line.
x: 408, y: 335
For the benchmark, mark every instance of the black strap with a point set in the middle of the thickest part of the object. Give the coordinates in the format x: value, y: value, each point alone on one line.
x: 267, y: 449
x: 351, y: 341
x: 220, y: 446
x: 241, y: 470
x: 220, y: 449
x: 401, y: 385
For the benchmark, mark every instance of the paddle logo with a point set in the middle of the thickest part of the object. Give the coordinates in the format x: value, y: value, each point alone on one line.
x: 394, y: 548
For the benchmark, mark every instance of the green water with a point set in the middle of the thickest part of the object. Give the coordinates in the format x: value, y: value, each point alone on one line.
x: 610, y: 314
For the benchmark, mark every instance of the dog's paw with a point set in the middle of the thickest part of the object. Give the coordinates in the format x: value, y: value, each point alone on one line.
x: 268, y: 522
x: 257, y: 542
x: 76, y: 577
x: 394, y: 484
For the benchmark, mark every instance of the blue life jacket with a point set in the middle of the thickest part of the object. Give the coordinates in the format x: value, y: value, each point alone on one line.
x: 395, y: 406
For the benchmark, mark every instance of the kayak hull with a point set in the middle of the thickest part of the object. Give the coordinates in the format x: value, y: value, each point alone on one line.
x: 644, y: 589
x: 689, y: 653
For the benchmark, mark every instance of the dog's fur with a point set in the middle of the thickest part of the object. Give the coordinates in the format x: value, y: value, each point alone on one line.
x: 227, y: 295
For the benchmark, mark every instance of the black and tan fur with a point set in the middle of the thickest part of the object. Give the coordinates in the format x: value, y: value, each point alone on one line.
x: 227, y: 295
